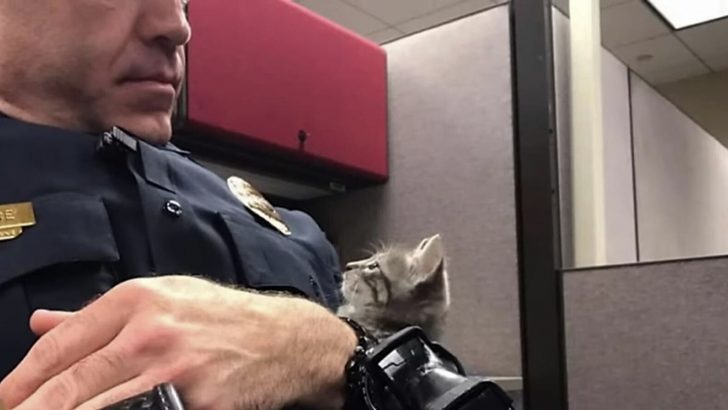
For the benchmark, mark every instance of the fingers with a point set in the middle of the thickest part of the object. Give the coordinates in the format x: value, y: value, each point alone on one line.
x: 98, y: 372
x: 69, y: 342
x: 119, y: 393
x: 42, y: 321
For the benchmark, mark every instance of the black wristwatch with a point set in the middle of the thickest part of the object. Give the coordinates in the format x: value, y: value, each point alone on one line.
x: 359, y: 385
x: 162, y: 397
x: 407, y: 371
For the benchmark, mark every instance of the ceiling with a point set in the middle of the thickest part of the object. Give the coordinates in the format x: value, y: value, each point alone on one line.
x: 643, y: 41
x: 630, y: 29
x: 386, y: 20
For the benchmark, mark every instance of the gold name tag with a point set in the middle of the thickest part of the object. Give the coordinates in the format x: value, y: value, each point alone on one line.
x: 13, y: 218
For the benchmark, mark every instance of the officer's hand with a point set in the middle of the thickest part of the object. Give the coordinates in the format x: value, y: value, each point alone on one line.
x: 223, y: 348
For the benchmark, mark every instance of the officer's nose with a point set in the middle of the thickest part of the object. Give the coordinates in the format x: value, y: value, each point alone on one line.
x: 165, y: 23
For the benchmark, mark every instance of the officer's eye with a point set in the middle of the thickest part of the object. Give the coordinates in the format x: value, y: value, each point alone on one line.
x: 373, y: 266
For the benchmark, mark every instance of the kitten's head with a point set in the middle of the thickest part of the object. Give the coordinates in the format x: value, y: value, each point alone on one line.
x: 397, y: 287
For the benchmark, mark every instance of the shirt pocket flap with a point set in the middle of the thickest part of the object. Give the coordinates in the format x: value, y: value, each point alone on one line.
x: 69, y: 227
x: 269, y: 261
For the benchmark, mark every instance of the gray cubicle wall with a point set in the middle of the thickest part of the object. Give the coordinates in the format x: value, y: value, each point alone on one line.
x: 651, y: 336
x: 452, y: 171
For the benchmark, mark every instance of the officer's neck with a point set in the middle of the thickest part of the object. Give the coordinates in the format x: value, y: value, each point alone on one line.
x: 57, y: 120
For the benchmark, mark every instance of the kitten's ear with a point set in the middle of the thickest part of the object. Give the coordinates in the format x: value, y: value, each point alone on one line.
x: 428, y: 258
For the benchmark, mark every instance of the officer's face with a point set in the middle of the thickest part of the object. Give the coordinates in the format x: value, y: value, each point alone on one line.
x: 93, y: 64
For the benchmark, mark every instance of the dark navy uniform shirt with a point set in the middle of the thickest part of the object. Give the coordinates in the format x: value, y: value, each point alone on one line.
x: 104, y: 216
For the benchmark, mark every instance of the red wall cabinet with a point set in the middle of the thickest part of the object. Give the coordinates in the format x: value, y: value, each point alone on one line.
x: 272, y: 78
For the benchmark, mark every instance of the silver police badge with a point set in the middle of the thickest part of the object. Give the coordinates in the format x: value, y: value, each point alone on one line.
x: 254, y: 201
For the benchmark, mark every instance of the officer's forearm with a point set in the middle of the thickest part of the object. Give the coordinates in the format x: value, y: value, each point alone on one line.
x: 330, y: 344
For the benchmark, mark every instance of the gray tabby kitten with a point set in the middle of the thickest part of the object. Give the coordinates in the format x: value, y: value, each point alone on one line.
x: 399, y: 287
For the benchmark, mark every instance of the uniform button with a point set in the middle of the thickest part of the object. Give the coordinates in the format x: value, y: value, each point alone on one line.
x: 173, y: 208
x: 315, y: 285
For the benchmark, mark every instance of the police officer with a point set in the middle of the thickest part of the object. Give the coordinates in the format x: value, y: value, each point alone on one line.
x: 119, y: 255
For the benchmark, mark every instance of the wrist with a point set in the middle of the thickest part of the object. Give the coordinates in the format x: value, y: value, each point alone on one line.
x: 334, y: 343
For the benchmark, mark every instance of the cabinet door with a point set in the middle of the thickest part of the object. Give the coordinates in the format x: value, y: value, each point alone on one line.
x: 271, y: 72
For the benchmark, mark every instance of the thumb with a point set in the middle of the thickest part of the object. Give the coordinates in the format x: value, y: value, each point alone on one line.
x: 42, y: 321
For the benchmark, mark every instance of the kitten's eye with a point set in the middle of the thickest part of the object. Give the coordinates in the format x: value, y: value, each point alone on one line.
x: 373, y: 266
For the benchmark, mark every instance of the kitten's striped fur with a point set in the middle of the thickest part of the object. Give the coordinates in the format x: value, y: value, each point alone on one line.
x: 398, y: 287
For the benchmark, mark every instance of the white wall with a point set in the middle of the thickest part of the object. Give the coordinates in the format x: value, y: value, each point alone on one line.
x: 705, y: 99
x: 682, y: 181
x: 617, y: 151
x: 680, y: 171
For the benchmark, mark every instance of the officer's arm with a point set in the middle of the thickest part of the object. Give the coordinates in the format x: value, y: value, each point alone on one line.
x: 341, y: 342
x: 332, y: 332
